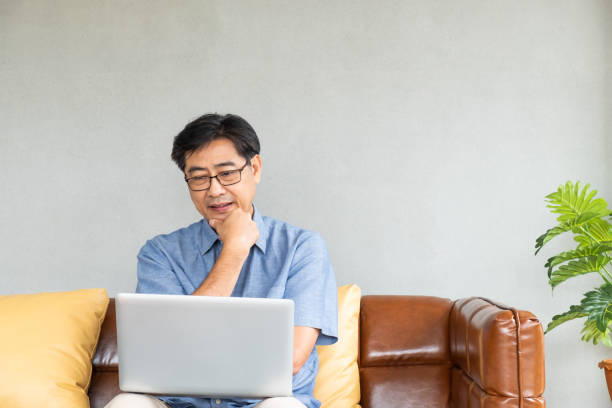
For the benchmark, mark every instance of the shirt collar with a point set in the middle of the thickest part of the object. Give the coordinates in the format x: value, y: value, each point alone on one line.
x: 209, y: 236
x: 262, y: 228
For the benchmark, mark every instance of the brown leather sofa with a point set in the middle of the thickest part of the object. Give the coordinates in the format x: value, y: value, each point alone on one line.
x: 417, y: 351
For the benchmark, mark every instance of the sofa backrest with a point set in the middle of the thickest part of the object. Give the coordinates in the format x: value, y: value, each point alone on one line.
x: 404, y: 351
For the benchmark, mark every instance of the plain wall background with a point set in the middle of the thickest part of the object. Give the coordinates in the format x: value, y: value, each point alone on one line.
x: 419, y: 137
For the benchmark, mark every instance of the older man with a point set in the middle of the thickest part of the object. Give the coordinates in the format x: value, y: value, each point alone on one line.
x: 236, y: 251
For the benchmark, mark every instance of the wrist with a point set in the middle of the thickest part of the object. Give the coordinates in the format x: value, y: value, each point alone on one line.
x: 234, y: 251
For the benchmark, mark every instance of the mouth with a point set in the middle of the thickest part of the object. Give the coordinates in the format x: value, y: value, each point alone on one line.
x: 220, y: 207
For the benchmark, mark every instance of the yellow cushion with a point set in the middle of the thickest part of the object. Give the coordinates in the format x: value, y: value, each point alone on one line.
x: 337, y: 383
x: 46, y: 347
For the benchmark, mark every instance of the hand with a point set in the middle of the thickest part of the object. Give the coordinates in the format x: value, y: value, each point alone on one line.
x: 237, y: 231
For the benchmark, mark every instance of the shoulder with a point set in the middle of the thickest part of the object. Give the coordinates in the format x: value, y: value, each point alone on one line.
x: 302, y: 249
x: 281, y: 231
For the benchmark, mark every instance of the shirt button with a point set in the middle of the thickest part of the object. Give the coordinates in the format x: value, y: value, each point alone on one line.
x: 218, y: 401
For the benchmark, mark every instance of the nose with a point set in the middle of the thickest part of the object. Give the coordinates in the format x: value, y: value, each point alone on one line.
x: 216, y: 189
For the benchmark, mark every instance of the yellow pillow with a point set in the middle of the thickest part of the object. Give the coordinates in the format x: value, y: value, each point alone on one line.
x: 337, y: 383
x: 47, y: 342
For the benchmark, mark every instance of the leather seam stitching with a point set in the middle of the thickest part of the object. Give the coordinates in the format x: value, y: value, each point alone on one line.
x: 517, y: 321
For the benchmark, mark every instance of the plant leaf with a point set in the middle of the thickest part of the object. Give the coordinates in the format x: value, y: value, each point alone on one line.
x: 582, y: 266
x: 571, y: 202
x: 550, y: 234
x: 583, y: 240
x: 600, y: 229
x: 574, y: 312
x: 595, y: 249
x: 574, y: 224
x: 591, y: 333
x: 598, y: 304
x: 596, y: 231
x: 578, y: 210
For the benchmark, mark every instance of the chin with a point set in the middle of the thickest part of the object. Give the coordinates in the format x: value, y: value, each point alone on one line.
x: 219, y: 217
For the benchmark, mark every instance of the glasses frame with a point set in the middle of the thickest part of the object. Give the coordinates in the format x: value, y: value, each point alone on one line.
x: 216, y: 176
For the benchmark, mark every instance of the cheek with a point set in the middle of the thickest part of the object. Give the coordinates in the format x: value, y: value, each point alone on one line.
x: 198, y: 200
x: 249, y: 196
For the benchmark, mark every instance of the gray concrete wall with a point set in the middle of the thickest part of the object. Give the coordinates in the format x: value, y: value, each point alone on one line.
x: 419, y: 137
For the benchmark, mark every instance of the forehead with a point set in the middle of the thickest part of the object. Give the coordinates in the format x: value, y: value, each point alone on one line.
x: 217, y: 151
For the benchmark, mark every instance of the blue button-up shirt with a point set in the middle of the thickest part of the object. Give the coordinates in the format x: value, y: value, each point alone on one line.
x: 285, y: 262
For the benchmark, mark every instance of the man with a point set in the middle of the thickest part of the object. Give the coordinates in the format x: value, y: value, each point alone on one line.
x: 235, y: 251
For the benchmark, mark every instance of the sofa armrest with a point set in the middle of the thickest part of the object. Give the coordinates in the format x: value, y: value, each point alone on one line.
x: 497, y: 354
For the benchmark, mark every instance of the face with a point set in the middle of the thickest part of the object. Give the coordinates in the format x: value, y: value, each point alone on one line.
x: 219, y: 201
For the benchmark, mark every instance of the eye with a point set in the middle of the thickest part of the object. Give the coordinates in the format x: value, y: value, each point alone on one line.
x: 199, y: 178
x: 226, y: 173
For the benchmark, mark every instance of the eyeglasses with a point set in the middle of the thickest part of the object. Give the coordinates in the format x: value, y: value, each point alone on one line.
x: 225, y: 178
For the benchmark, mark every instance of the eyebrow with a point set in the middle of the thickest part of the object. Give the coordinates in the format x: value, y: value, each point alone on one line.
x: 198, y: 168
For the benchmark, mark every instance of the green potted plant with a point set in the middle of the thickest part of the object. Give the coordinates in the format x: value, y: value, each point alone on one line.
x: 588, y: 219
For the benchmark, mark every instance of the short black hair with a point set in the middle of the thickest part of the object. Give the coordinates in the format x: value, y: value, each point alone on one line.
x: 211, y: 126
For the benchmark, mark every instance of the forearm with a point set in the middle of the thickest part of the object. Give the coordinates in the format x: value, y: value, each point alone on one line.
x: 304, y: 339
x: 224, y: 274
x: 298, y: 362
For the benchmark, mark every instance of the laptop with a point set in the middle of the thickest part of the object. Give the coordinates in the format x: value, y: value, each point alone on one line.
x: 205, y: 346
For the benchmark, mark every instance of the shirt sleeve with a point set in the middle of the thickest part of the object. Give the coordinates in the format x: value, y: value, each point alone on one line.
x: 311, y: 284
x: 155, y: 274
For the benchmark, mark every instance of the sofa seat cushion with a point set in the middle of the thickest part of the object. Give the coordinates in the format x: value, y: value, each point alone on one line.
x: 47, y: 345
x: 337, y: 383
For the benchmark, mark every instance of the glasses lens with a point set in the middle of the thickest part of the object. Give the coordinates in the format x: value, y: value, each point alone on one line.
x: 199, y: 183
x: 229, y: 177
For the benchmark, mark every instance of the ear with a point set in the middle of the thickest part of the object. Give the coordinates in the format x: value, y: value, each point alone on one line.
x: 256, y: 166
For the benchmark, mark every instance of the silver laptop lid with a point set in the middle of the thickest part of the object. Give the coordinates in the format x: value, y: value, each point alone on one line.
x: 204, y: 345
